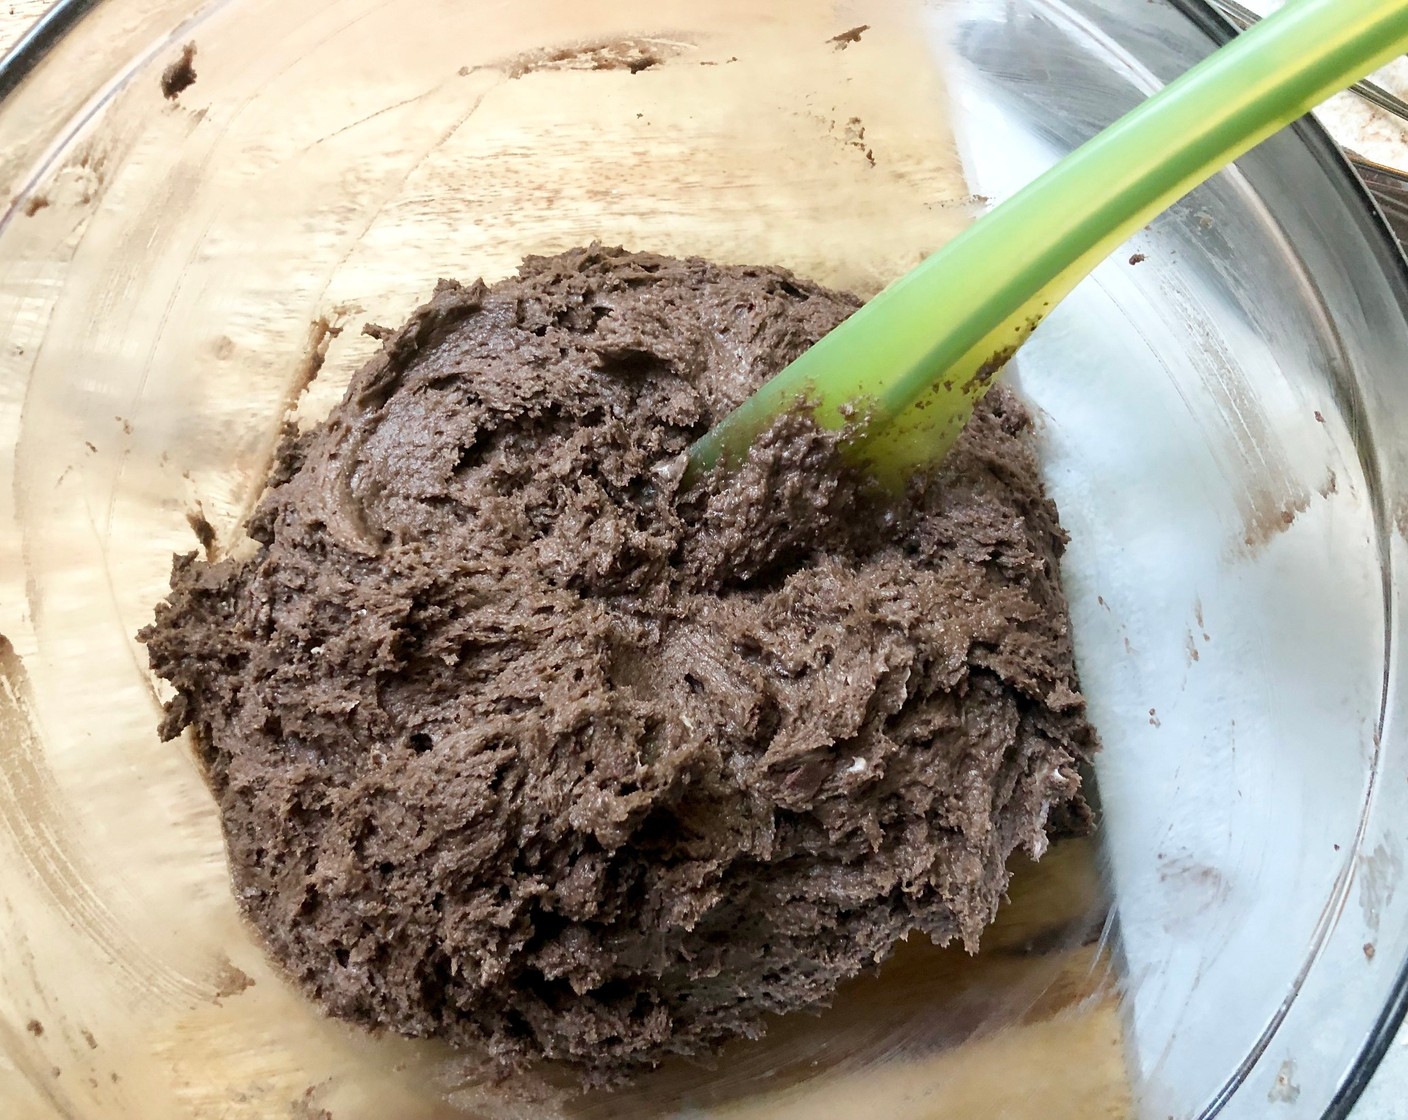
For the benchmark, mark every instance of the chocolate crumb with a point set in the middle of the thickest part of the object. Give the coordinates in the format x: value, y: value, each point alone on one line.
x: 180, y: 75
x: 846, y: 38
x: 231, y: 980
x: 204, y: 531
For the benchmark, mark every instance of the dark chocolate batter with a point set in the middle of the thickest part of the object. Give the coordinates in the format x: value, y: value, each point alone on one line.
x: 517, y: 746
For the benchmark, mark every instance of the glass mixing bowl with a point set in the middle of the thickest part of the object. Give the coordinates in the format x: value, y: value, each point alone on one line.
x: 1218, y: 409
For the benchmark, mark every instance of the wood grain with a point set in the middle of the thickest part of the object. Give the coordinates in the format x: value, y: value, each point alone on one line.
x: 17, y: 17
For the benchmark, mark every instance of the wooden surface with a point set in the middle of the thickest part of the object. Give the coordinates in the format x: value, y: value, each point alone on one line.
x: 16, y: 17
x: 1094, y: 1015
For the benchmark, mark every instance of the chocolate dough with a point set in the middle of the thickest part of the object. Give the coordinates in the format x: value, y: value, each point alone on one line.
x: 517, y: 746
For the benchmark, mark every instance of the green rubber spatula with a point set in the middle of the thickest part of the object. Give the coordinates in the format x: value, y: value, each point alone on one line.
x: 915, y: 359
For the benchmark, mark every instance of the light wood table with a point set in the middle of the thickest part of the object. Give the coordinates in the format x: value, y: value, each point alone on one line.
x: 1384, y: 1100
x: 16, y: 17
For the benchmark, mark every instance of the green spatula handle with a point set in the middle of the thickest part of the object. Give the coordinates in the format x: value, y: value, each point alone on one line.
x: 918, y: 357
